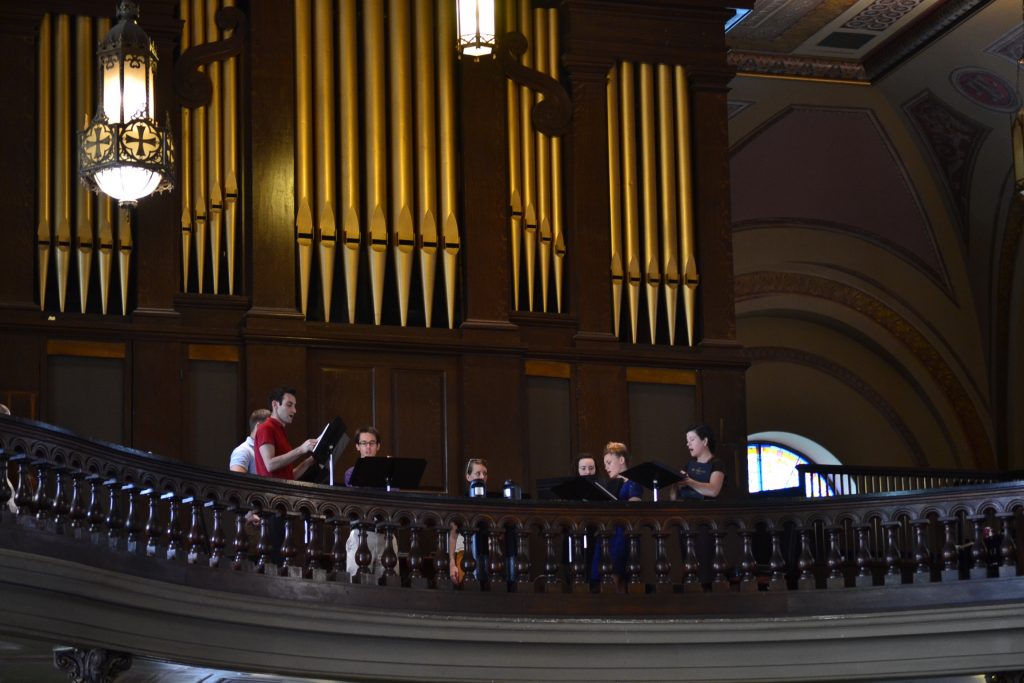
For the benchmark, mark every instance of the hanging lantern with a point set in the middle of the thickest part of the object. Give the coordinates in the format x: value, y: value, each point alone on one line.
x: 124, y: 152
x: 476, y: 28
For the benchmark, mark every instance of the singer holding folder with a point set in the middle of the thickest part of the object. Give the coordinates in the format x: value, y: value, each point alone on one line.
x: 275, y: 456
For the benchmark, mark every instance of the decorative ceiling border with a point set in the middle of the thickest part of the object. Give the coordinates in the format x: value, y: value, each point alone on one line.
x: 780, y: 354
x: 890, y: 54
x: 749, y: 286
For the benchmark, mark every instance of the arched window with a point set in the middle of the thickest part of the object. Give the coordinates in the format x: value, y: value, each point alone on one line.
x: 772, y: 458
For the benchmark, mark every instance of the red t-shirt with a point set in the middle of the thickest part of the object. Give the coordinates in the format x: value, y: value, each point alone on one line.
x: 271, y: 432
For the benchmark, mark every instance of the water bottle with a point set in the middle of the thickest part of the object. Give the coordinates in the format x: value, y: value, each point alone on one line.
x: 477, y: 489
x: 511, y: 491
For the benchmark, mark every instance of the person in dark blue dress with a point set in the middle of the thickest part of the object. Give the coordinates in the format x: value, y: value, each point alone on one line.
x: 616, y: 461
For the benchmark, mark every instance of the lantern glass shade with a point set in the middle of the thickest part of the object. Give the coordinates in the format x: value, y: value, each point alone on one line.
x: 476, y: 27
x: 127, y: 183
x: 135, y: 100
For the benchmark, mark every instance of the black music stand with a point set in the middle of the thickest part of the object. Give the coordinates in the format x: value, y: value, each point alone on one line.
x: 653, y: 475
x: 329, y: 445
x: 582, y: 488
x: 388, y: 473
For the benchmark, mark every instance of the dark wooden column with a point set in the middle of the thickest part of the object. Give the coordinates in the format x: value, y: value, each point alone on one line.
x: 269, y: 79
x: 19, y: 26
x: 157, y: 231
x: 484, y: 183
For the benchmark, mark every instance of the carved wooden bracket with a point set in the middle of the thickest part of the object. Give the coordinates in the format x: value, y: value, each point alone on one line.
x: 91, y: 666
x: 552, y: 114
x: 193, y: 86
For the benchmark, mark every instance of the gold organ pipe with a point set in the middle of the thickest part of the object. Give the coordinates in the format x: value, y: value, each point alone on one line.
x: 376, y: 159
x: 348, y: 102
x: 689, y: 276
x: 652, y: 270
x: 614, y: 196
x: 44, y: 150
x: 229, y: 92
x: 62, y: 168
x: 105, y: 231
x: 303, y: 148
x: 515, y: 168
x: 426, y: 150
x: 556, y: 169
x: 84, y: 225
x: 186, y: 159
x: 529, y: 157
x: 403, y: 240
x: 214, y: 132
x: 631, y: 210
x: 323, y: 96
x: 124, y: 253
x: 446, y: 134
x: 199, y: 158
x: 667, y: 192
x: 540, y: 58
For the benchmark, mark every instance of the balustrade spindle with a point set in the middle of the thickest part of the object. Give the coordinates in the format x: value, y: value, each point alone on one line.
x: 240, y: 544
x: 195, y: 539
x: 662, y: 565
x: 41, y: 500
x: 338, y: 571
x: 389, y: 558
x: 864, y: 559
x: 442, y: 575
x: 76, y: 510
x: 834, y: 561
x: 524, y: 578
x: 691, y: 565
x: 634, y: 584
x: 922, y: 554
x: 94, y: 512
x: 312, y: 567
x: 133, y: 525
x: 217, y: 540
x: 115, y: 522
x: 893, y: 556
x: 154, y: 530
x: 60, y: 498
x: 5, y: 491
x: 496, y: 561
x: 805, y: 563
x: 174, y: 533
x: 288, y: 548
x: 1007, y: 549
x: 605, y: 567
x: 23, y: 493
x: 950, y: 556
x: 468, y: 564
x: 719, y: 567
x: 416, y: 577
x: 747, y: 564
x: 578, y: 565
x: 979, y: 553
x: 552, y: 582
x: 777, y: 564
x: 363, y: 575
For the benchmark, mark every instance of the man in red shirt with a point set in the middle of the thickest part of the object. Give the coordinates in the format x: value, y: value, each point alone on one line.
x: 275, y: 456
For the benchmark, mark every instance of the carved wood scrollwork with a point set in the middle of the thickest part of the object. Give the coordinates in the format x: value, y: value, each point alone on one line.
x: 552, y: 114
x: 91, y: 666
x: 193, y: 86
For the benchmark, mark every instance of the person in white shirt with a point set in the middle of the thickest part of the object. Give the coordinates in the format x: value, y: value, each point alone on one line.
x: 4, y: 410
x: 243, y: 458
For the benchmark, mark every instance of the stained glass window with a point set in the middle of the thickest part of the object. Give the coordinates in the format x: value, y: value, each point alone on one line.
x: 771, y: 466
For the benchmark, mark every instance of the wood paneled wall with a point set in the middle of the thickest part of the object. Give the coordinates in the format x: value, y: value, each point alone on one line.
x: 440, y: 394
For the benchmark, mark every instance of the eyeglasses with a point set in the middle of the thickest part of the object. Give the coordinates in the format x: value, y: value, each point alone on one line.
x: 367, y: 443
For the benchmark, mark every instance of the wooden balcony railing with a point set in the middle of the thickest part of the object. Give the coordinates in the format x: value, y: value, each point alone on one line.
x: 817, y: 481
x: 134, y: 511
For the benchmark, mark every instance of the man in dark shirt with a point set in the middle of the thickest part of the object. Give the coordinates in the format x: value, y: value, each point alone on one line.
x: 275, y: 456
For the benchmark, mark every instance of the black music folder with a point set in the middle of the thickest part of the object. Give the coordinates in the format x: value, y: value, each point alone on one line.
x: 582, y: 488
x: 388, y: 473
x: 653, y: 475
x: 331, y: 443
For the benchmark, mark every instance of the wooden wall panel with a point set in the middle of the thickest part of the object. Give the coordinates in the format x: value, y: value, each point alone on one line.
x: 273, y: 365
x: 157, y: 398
x: 659, y: 415
x: 493, y: 424
x: 420, y: 421
x: 602, y: 406
x: 549, y: 429
x: 215, y: 423
x: 350, y: 393
x: 87, y: 396
x: 722, y: 401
